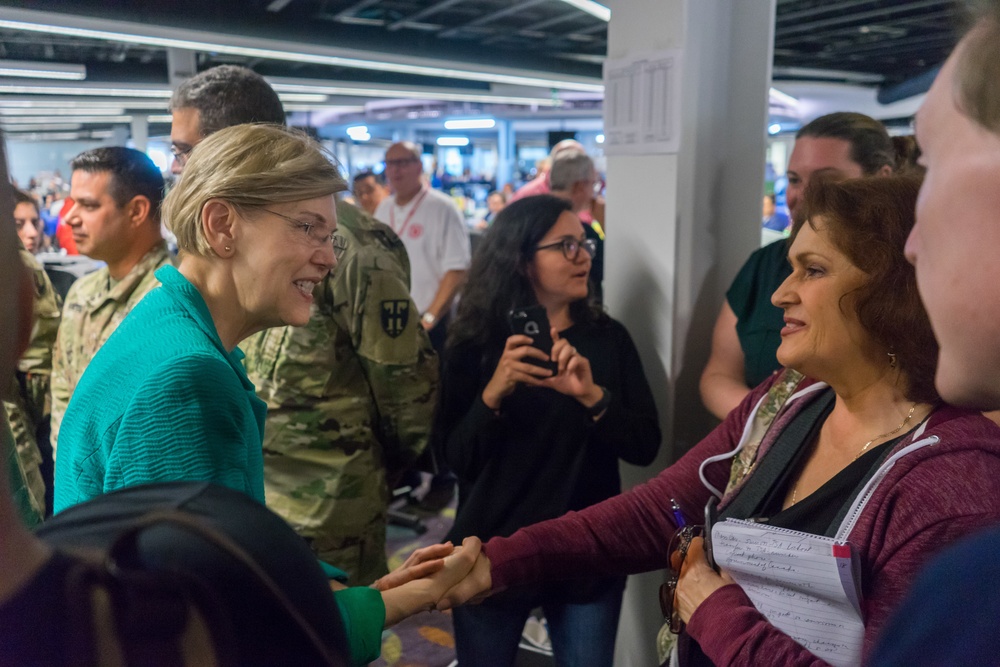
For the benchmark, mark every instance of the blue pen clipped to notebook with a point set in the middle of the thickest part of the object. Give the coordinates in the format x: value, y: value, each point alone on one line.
x: 678, y: 514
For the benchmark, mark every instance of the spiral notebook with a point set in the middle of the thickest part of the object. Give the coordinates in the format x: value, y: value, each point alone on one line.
x: 808, y: 586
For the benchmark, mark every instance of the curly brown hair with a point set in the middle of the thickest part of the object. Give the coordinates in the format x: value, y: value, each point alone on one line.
x: 868, y: 219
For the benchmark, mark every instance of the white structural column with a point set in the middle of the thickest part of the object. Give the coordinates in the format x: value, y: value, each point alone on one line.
x: 506, y: 152
x: 181, y: 65
x: 140, y: 132
x: 680, y: 225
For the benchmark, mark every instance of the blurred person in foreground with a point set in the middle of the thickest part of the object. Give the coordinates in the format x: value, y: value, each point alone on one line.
x: 950, y: 615
x: 167, y: 398
x: 350, y: 396
x: 859, y: 412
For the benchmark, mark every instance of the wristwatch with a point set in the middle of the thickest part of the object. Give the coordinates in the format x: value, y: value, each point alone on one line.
x: 602, y: 403
x: 428, y: 319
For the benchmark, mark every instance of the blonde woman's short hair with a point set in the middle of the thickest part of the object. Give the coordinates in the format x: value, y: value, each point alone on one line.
x: 250, y: 167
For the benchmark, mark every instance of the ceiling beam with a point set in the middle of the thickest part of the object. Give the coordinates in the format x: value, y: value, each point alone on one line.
x: 354, y: 9
x: 883, y: 15
x: 163, y: 36
x: 781, y: 41
x: 487, y: 18
x: 826, y: 8
x: 277, y: 5
x: 424, y: 13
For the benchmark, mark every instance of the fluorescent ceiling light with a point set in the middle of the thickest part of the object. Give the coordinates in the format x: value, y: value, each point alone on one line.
x: 358, y: 133
x: 44, y: 120
x: 35, y: 128
x: 333, y: 108
x: 127, y: 90
x: 599, y: 138
x: 38, y: 70
x: 272, y: 49
x: 50, y: 136
x: 774, y: 128
x: 784, y: 98
x: 45, y: 103
x: 453, y: 141
x: 301, y: 97
x: 98, y: 91
x: 592, y: 8
x: 408, y: 92
x: 55, y: 111
x: 470, y: 124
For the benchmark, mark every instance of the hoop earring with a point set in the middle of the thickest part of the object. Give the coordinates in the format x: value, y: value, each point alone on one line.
x: 892, y: 360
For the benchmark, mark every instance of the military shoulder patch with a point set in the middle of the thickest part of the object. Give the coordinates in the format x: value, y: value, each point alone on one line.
x: 395, y: 313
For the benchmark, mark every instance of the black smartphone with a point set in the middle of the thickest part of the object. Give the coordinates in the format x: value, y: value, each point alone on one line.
x: 711, y: 515
x: 533, y: 322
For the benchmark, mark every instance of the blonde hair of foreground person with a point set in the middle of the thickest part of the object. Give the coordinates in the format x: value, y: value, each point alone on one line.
x: 250, y: 167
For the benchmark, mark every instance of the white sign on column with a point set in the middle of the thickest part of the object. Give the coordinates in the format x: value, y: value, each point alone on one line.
x: 642, y: 104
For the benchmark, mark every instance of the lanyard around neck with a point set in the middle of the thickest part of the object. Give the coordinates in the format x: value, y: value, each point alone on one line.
x: 409, y: 216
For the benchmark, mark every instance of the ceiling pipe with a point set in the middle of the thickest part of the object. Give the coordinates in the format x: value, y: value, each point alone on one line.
x: 912, y: 87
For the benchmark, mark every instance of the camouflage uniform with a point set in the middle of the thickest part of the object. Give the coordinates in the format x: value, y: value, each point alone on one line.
x: 28, y: 405
x: 10, y: 464
x: 94, y: 308
x: 350, y: 398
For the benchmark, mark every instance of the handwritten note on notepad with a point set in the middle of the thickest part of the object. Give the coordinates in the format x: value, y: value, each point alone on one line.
x: 806, y: 585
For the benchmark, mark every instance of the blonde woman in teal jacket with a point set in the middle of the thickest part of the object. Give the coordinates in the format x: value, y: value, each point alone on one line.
x: 167, y: 398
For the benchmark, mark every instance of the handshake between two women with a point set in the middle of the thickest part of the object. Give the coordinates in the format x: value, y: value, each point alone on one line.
x: 439, y: 577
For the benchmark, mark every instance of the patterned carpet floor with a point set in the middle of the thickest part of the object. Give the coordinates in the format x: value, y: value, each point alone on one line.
x: 427, y: 639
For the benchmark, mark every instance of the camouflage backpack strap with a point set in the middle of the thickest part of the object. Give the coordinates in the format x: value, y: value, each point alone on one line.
x: 777, y: 396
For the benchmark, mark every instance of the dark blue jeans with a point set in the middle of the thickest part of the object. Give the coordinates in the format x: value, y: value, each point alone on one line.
x: 583, y: 635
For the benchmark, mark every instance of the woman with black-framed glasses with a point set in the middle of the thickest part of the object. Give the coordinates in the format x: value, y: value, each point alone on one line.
x: 533, y: 433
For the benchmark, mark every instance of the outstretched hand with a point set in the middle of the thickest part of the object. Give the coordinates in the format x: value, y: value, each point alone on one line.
x: 475, y: 587
x: 421, y: 563
x: 423, y: 594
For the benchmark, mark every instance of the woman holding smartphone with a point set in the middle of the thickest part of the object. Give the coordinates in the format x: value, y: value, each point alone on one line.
x: 532, y: 435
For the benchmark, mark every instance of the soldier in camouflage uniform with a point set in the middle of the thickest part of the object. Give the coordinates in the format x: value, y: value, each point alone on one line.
x: 351, y: 395
x: 350, y: 398
x: 115, y: 218
x: 27, y: 405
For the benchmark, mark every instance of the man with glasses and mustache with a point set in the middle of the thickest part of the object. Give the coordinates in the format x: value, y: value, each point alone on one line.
x: 432, y: 229
x: 351, y: 395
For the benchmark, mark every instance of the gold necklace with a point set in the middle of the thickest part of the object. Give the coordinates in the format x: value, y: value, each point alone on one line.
x: 909, y: 416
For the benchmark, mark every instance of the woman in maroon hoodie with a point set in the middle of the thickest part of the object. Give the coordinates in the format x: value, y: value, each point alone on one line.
x: 853, y: 444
